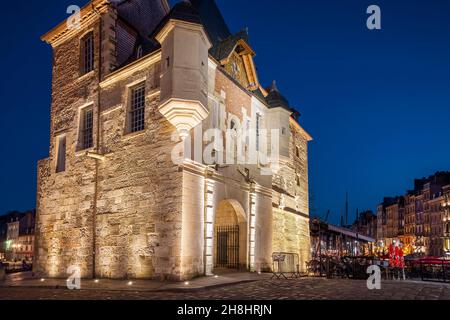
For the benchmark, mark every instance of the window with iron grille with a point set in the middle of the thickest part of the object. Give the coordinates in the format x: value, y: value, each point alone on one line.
x: 87, y: 53
x: 87, y: 129
x: 137, y: 109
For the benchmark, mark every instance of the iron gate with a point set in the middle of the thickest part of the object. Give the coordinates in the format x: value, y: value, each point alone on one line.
x: 227, y: 250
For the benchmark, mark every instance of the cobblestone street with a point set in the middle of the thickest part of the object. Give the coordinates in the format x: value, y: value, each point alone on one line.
x: 304, y: 289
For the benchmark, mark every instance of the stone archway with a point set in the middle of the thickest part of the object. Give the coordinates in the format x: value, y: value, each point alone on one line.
x: 230, y: 236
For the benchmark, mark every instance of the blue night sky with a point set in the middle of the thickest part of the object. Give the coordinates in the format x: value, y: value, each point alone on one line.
x: 376, y: 102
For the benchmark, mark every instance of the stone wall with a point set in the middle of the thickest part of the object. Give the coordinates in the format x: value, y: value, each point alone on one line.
x: 291, y: 201
x: 139, y: 199
x: 291, y: 234
x: 131, y: 201
x: 65, y: 200
x: 139, y: 213
x: 300, y: 167
x: 193, y: 227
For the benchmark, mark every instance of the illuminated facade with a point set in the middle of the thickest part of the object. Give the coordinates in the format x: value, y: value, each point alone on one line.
x: 419, y: 219
x: 122, y: 195
x: 17, y: 236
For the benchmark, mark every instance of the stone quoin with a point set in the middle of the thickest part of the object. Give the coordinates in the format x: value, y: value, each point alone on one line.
x: 110, y: 199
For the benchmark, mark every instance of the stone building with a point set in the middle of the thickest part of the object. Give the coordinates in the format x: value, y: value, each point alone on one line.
x: 366, y: 224
x: 382, y: 218
x: 410, y: 220
x: 445, y: 209
x: 17, y: 236
x: 126, y: 191
x: 395, y: 219
x: 418, y: 219
x: 24, y: 249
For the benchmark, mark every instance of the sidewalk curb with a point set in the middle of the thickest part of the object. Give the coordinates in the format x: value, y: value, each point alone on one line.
x: 174, y: 290
x: 196, y: 289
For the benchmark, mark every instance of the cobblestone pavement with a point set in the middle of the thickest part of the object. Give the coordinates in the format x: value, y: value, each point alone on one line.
x: 304, y: 289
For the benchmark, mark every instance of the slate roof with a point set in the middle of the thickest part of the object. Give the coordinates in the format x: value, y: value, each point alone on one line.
x: 212, y: 19
x: 147, y: 18
x: 258, y: 93
x: 148, y: 46
x: 204, y: 12
x: 275, y: 99
x: 143, y: 15
x: 223, y: 49
x: 183, y: 11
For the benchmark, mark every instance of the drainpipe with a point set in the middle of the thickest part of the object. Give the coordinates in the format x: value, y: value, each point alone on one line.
x: 97, y: 148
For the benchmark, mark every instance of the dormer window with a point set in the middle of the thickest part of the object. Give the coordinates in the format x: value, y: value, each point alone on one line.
x: 87, y: 53
x: 139, y: 52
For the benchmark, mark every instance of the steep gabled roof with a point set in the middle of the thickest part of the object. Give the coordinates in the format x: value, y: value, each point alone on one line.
x: 222, y: 50
x: 144, y: 15
x: 212, y: 19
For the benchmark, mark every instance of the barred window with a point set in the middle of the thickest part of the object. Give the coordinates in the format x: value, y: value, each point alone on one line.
x: 87, y: 53
x: 137, y: 109
x: 86, y: 128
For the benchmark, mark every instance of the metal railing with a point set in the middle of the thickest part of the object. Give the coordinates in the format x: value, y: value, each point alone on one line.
x: 435, y: 272
x: 344, y: 267
x: 285, y: 265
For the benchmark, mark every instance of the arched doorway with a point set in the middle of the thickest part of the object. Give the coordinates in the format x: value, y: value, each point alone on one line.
x: 230, y: 236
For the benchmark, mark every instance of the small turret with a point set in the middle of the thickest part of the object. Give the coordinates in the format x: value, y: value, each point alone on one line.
x: 275, y: 99
x: 279, y: 118
x: 184, y: 68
